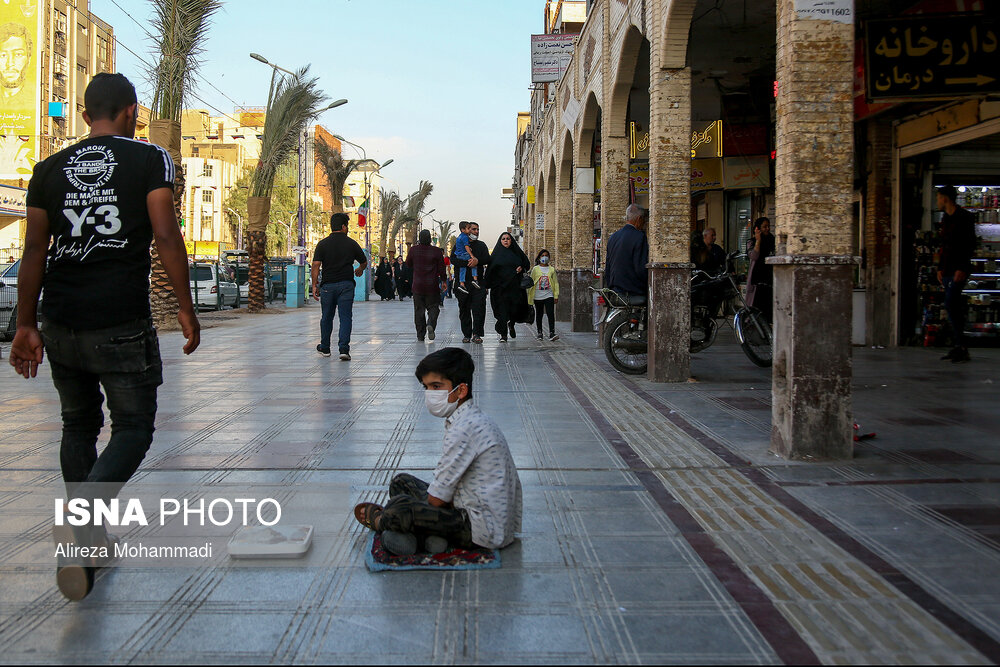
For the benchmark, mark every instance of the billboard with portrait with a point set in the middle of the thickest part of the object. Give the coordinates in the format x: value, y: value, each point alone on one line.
x: 20, y: 69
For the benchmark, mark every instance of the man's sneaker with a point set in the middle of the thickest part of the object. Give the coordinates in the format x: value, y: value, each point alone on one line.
x: 430, y: 333
x: 513, y: 331
x: 554, y: 336
x: 420, y: 339
x: 474, y: 284
x: 478, y: 340
x: 539, y: 336
x: 401, y: 544
x: 345, y: 356
x: 961, y: 356
x: 435, y: 544
x: 503, y: 339
x: 325, y: 351
x: 462, y: 289
x: 466, y: 340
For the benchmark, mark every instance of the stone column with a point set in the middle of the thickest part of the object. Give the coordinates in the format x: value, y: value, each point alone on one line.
x: 563, y: 252
x: 811, y: 377
x: 669, y: 225
x: 614, y: 183
x: 578, y: 292
x: 878, y: 234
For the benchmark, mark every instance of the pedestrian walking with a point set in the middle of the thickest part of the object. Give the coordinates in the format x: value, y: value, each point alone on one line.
x: 383, y: 280
x: 474, y: 499
x: 508, y: 265
x: 472, y: 306
x: 336, y: 255
x: 958, y: 243
x: 544, y: 293
x: 402, y: 274
x: 427, y: 265
x: 760, y: 275
x: 100, y: 202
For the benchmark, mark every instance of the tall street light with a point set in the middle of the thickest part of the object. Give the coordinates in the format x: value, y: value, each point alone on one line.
x: 301, y: 193
x: 301, y: 190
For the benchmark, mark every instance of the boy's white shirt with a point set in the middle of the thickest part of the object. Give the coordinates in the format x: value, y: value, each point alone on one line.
x: 476, y: 473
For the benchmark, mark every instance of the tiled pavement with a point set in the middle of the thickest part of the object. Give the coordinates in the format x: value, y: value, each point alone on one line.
x: 657, y: 527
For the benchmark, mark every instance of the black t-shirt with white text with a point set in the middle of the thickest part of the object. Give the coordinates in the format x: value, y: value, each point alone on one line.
x: 97, y: 273
x: 337, y: 253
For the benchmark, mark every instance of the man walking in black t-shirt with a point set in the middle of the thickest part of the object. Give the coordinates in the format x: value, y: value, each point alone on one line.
x: 100, y: 202
x: 336, y: 255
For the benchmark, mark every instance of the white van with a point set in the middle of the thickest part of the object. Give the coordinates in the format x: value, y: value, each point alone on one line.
x: 212, y: 286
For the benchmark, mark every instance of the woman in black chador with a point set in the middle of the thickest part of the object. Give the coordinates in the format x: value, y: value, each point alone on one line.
x: 383, y: 280
x: 508, y: 264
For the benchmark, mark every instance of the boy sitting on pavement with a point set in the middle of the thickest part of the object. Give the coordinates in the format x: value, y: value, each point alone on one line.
x: 475, y: 498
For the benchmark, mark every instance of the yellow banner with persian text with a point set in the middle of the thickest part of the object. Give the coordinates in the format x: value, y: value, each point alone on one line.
x: 20, y: 69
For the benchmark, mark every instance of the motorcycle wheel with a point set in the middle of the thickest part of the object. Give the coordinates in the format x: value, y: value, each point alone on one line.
x: 755, y: 337
x: 622, y: 360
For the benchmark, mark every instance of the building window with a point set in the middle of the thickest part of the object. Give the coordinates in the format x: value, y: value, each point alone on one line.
x: 206, y: 227
x: 206, y: 170
x: 207, y: 196
x: 103, y: 51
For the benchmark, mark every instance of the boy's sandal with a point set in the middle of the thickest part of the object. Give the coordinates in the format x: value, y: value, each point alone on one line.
x: 366, y: 513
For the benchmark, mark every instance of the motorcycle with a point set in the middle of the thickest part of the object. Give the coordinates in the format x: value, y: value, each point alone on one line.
x: 625, y: 321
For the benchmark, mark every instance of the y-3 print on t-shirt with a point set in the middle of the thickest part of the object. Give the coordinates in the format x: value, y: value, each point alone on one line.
x: 94, y: 193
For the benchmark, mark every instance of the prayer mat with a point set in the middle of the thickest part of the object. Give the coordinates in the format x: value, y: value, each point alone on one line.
x: 378, y: 559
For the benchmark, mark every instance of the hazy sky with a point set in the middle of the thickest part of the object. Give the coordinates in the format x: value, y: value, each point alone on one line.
x: 433, y: 84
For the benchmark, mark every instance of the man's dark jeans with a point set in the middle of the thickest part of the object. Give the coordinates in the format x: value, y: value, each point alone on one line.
x: 956, y: 306
x: 425, y: 312
x: 125, y: 361
x: 334, y: 296
x: 472, y: 312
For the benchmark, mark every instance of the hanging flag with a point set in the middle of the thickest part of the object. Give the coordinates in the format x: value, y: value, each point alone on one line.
x: 348, y: 202
x: 363, y: 213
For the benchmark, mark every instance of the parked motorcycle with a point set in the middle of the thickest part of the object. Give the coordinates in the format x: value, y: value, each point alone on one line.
x: 625, y: 331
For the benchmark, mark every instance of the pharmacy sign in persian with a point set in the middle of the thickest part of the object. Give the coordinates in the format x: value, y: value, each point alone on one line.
x: 932, y: 56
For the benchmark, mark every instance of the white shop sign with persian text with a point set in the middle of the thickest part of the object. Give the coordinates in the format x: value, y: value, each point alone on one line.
x: 840, y: 11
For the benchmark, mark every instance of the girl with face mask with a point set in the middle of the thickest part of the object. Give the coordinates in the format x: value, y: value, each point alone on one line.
x: 544, y: 294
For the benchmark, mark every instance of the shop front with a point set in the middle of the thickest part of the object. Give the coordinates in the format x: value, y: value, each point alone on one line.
x: 967, y: 158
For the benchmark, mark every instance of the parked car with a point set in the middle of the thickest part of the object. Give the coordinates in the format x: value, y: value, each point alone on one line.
x: 213, y: 286
x: 8, y: 285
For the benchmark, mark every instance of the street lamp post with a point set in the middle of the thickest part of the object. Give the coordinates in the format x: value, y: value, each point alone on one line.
x: 301, y: 186
x: 367, y: 181
x: 301, y: 258
x: 239, y: 228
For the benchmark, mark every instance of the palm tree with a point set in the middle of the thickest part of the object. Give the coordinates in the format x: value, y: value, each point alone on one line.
x: 294, y: 102
x: 389, y: 206
x: 179, y: 32
x: 337, y: 170
x: 409, y: 214
x: 444, y: 231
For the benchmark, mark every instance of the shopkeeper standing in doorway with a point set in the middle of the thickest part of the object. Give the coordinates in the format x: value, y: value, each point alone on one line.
x: 958, y: 242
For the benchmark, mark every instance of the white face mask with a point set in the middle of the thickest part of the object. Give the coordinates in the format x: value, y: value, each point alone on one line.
x: 543, y: 259
x: 473, y: 237
x: 437, y: 403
